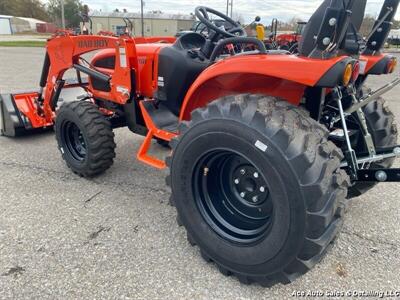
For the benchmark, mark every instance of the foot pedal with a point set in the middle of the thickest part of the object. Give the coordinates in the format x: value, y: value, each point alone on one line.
x: 161, y: 123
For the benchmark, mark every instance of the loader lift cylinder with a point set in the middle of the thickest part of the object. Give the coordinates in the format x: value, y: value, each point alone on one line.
x: 45, y: 74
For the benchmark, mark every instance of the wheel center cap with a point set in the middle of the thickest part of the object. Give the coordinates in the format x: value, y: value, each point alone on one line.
x: 249, y: 185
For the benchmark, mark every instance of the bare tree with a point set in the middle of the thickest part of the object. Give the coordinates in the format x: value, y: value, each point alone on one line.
x: 367, y: 25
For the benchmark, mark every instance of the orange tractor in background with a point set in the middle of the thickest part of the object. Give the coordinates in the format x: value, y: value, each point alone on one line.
x: 265, y: 145
x: 283, y: 41
x: 288, y: 41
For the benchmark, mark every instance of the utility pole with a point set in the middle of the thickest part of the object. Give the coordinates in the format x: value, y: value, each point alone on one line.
x: 62, y: 15
x: 229, y: 3
x: 142, y: 15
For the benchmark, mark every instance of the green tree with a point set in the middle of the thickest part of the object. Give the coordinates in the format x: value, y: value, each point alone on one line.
x: 24, y: 8
x: 72, y: 9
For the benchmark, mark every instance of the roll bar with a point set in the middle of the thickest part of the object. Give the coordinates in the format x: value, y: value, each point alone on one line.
x: 333, y: 28
x: 380, y: 32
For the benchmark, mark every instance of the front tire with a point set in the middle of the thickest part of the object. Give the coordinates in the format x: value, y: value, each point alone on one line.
x: 85, y: 138
x: 275, y: 224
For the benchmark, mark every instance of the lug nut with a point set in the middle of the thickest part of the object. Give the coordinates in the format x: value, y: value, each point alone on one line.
x: 255, y: 175
x: 236, y: 181
x: 262, y: 189
x: 242, y: 171
x: 255, y: 199
x: 242, y: 194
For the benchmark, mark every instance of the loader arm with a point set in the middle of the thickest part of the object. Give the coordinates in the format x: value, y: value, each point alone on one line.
x: 64, y: 53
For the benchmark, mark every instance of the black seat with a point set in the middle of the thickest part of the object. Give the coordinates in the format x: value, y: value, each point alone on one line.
x: 190, y: 40
x: 178, y: 68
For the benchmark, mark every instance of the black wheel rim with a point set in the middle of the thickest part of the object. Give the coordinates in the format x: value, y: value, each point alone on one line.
x: 74, y: 140
x: 233, y: 196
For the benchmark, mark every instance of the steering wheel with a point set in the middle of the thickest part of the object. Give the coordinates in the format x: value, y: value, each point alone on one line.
x: 202, y: 13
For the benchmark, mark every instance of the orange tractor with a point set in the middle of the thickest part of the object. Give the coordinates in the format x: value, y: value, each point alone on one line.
x: 265, y: 145
x: 284, y: 41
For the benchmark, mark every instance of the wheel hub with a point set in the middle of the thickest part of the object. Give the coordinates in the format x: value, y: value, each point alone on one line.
x: 249, y: 185
x: 233, y: 196
x: 74, y: 140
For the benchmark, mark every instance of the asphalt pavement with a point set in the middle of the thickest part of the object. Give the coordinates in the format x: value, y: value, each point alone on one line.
x: 115, y: 236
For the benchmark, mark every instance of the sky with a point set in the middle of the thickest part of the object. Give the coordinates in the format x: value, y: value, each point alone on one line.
x: 248, y: 9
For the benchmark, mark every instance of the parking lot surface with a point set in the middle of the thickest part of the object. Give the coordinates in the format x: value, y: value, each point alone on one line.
x: 115, y: 236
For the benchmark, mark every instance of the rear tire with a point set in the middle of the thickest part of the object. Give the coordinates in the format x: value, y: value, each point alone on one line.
x: 382, y: 127
x: 298, y: 211
x: 85, y: 138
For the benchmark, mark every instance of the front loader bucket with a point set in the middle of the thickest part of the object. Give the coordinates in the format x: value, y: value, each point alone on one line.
x: 18, y: 115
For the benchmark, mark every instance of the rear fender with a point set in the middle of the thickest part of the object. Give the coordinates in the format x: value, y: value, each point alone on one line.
x: 282, y: 76
x: 376, y: 64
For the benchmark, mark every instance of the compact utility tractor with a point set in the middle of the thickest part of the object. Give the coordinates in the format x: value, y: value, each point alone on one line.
x: 287, y: 41
x: 265, y: 145
x: 283, y: 41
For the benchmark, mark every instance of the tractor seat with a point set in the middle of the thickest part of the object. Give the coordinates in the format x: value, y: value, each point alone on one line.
x: 178, y: 68
x: 190, y: 41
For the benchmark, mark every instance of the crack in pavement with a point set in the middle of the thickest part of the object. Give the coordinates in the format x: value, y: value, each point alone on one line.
x: 32, y: 167
x: 91, y: 198
x: 360, y: 236
x: 14, y: 271
x: 68, y: 176
x: 96, y: 233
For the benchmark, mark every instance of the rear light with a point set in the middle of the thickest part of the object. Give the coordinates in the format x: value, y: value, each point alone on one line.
x: 347, y: 75
x: 392, y: 64
x: 356, y: 71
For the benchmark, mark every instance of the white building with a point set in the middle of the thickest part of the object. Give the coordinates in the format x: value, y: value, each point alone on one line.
x: 11, y: 24
x: 155, y: 24
x: 5, y: 24
x: 26, y: 24
x: 394, y: 33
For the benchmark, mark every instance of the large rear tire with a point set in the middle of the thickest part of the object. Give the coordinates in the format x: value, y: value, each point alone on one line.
x: 258, y: 187
x: 85, y: 138
x: 382, y: 127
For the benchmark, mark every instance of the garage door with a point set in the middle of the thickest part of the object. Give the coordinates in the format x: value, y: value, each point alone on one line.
x: 5, y: 26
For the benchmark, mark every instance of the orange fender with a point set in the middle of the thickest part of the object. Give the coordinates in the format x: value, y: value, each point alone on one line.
x: 283, y: 76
